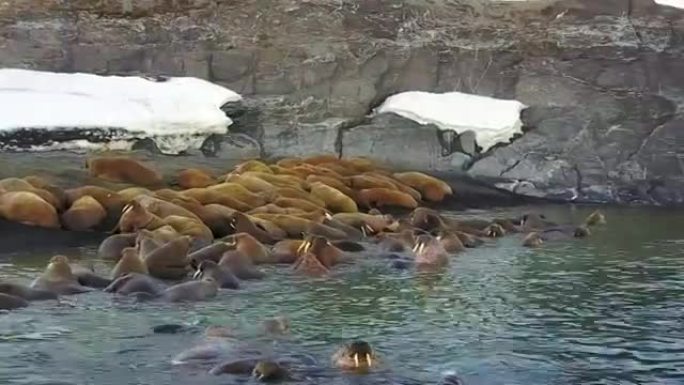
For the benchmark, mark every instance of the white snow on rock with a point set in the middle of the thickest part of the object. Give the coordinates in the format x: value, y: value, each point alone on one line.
x: 671, y: 3
x: 176, y: 113
x: 492, y: 120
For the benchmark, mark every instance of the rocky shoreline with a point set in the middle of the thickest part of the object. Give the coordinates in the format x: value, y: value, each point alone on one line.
x: 600, y: 78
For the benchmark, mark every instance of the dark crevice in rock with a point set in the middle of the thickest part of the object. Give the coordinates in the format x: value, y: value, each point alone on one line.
x: 339, y: 139
x: 511, y: 167
x: 578, y: 175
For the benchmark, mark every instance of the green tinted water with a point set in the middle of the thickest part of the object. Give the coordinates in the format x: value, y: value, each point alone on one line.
x: 603, y: 310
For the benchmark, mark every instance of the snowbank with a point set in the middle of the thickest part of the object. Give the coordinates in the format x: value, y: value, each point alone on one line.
x: 492, y: 120
x: 175, y: 112
x: 671, y: 3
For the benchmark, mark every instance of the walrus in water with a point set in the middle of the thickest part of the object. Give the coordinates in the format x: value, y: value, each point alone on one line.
x: 10, y: 302
x: 135, y: 283
x: 198, y: 290
x: 213, y: 252
x: 324, y: 251
x: 251, y: 247
x: 494, y: 230
x: 25, y: 292
x: 450, y: 241
x: 87, y: 277
x: 240, y: 265
x: 309, y: 264
x: 59, y: 278
x: 169, y: 261
x: 267, y: 371
x: 595, y: 218
x: 429, y: 251
x: 112, y: 246
x: 532, y: 239
x: 130, y: 262
x: 242, y: 224
x: 224, y: 278
x: 355, y: 356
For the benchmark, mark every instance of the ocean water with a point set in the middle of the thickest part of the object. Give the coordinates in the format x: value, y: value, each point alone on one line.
x: 608, y: 309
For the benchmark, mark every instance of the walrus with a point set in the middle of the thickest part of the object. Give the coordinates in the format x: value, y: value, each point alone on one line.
x: 279, y: 180
x: 314, y: 228
x: 84, y: 214
x: 352, y: 233
x: 240, y: 193
x: 332, y: 182
x: 252, y: 165
x: 213, y: 252
x: 534, y: 221
x: 16, y: 185
x: 368, y: 223
x: 291, y: 192
x: 162, y: 234
x: 297, y: 203
x: 429, y: 251
x: 468, y: 240
x: 309, y: 264
x: 43, y: 184
x: 123, y: 169
x: 88, y: 278
x: 334, y: 200
x: 163, y: 208
x: 251, y: 247
x: 109, y: 199
x: 208, y: 197
x: 58, y: 278
x: 242, y: 223
x: 271, y: 208
x: 365, y: 181
x: 451, y: 379
x: 198, y: 290
x: 135, y: 217
x: 130, y: 193
x: 29, y: 209
x: 356, y: 356
x: 494, y: 230
x: 595, y: 218
x: 382, y: 197
x: 292, y: 225
x: 430, y: 188
x: 169, y: 261
x: 268, y: 371
x: 320, y: 247
x: 25, y: 292
x: 188, y: 226
x: 224, y: 278
x: 130, y: 262
x: 112, y: 246
x: 450, y: 241
x: 338, y: 168
x: 135, y: 283
x: 287, y: 250
x: 415, y: 194
x: 10, y: 302
x: 241, y: 265
x: 532, y: 239
x: 278, y: 325
x: 251, y: 183
x: 216, y: 221
x: 194, y: 178
x: 428, y: 219
x: 289, y: 162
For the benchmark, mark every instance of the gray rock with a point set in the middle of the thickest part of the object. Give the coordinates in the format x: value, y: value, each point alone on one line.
x: 603, y: 79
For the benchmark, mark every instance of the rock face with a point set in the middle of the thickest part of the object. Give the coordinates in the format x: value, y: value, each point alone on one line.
x: 603, y: 79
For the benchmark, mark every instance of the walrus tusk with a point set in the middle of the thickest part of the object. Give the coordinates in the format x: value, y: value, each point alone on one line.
x: 369, y: 360
x: 197, y: 274
x: 328, y: 216
x: 127, y: 208
x: 356, y: 360
x: 304, y: 247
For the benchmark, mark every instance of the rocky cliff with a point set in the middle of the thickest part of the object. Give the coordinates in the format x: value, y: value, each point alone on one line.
x: 603, y: 79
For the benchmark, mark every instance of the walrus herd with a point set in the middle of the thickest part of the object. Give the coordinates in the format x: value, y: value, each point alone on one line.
x: 189, y: 238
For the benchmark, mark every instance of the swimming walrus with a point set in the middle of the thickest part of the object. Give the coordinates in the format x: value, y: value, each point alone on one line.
x: 135, y: 283
x: 10, y: 302
x: 196, y: 290
x: 58, y: 278
x: 25, y: 292
x: 224, y: 278
x: 111, y: 247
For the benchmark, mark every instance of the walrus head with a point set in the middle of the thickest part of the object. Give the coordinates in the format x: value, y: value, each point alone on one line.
x: 595, y: 218
x: 357, y: 355
x: 495, y: 230
x: 58, y: 268
x: 268, y: 371
x: 532, y: 239
x: 203, y: 267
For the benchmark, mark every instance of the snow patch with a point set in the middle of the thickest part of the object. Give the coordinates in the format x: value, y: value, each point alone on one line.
x: 492, y: 120
x: 671, y: 3
x: 177, y: 113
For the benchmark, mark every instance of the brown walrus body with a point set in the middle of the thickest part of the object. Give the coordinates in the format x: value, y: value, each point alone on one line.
x: 29, y: 209
x: 123, y: 169
x: 84, y: 214
x: 58, y: 278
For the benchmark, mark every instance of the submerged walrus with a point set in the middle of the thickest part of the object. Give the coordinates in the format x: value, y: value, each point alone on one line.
x: 10, y: 302
x: 199, y: 290
x: 221, y: 274
x: 25, y: 292
x: 356, y: 356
